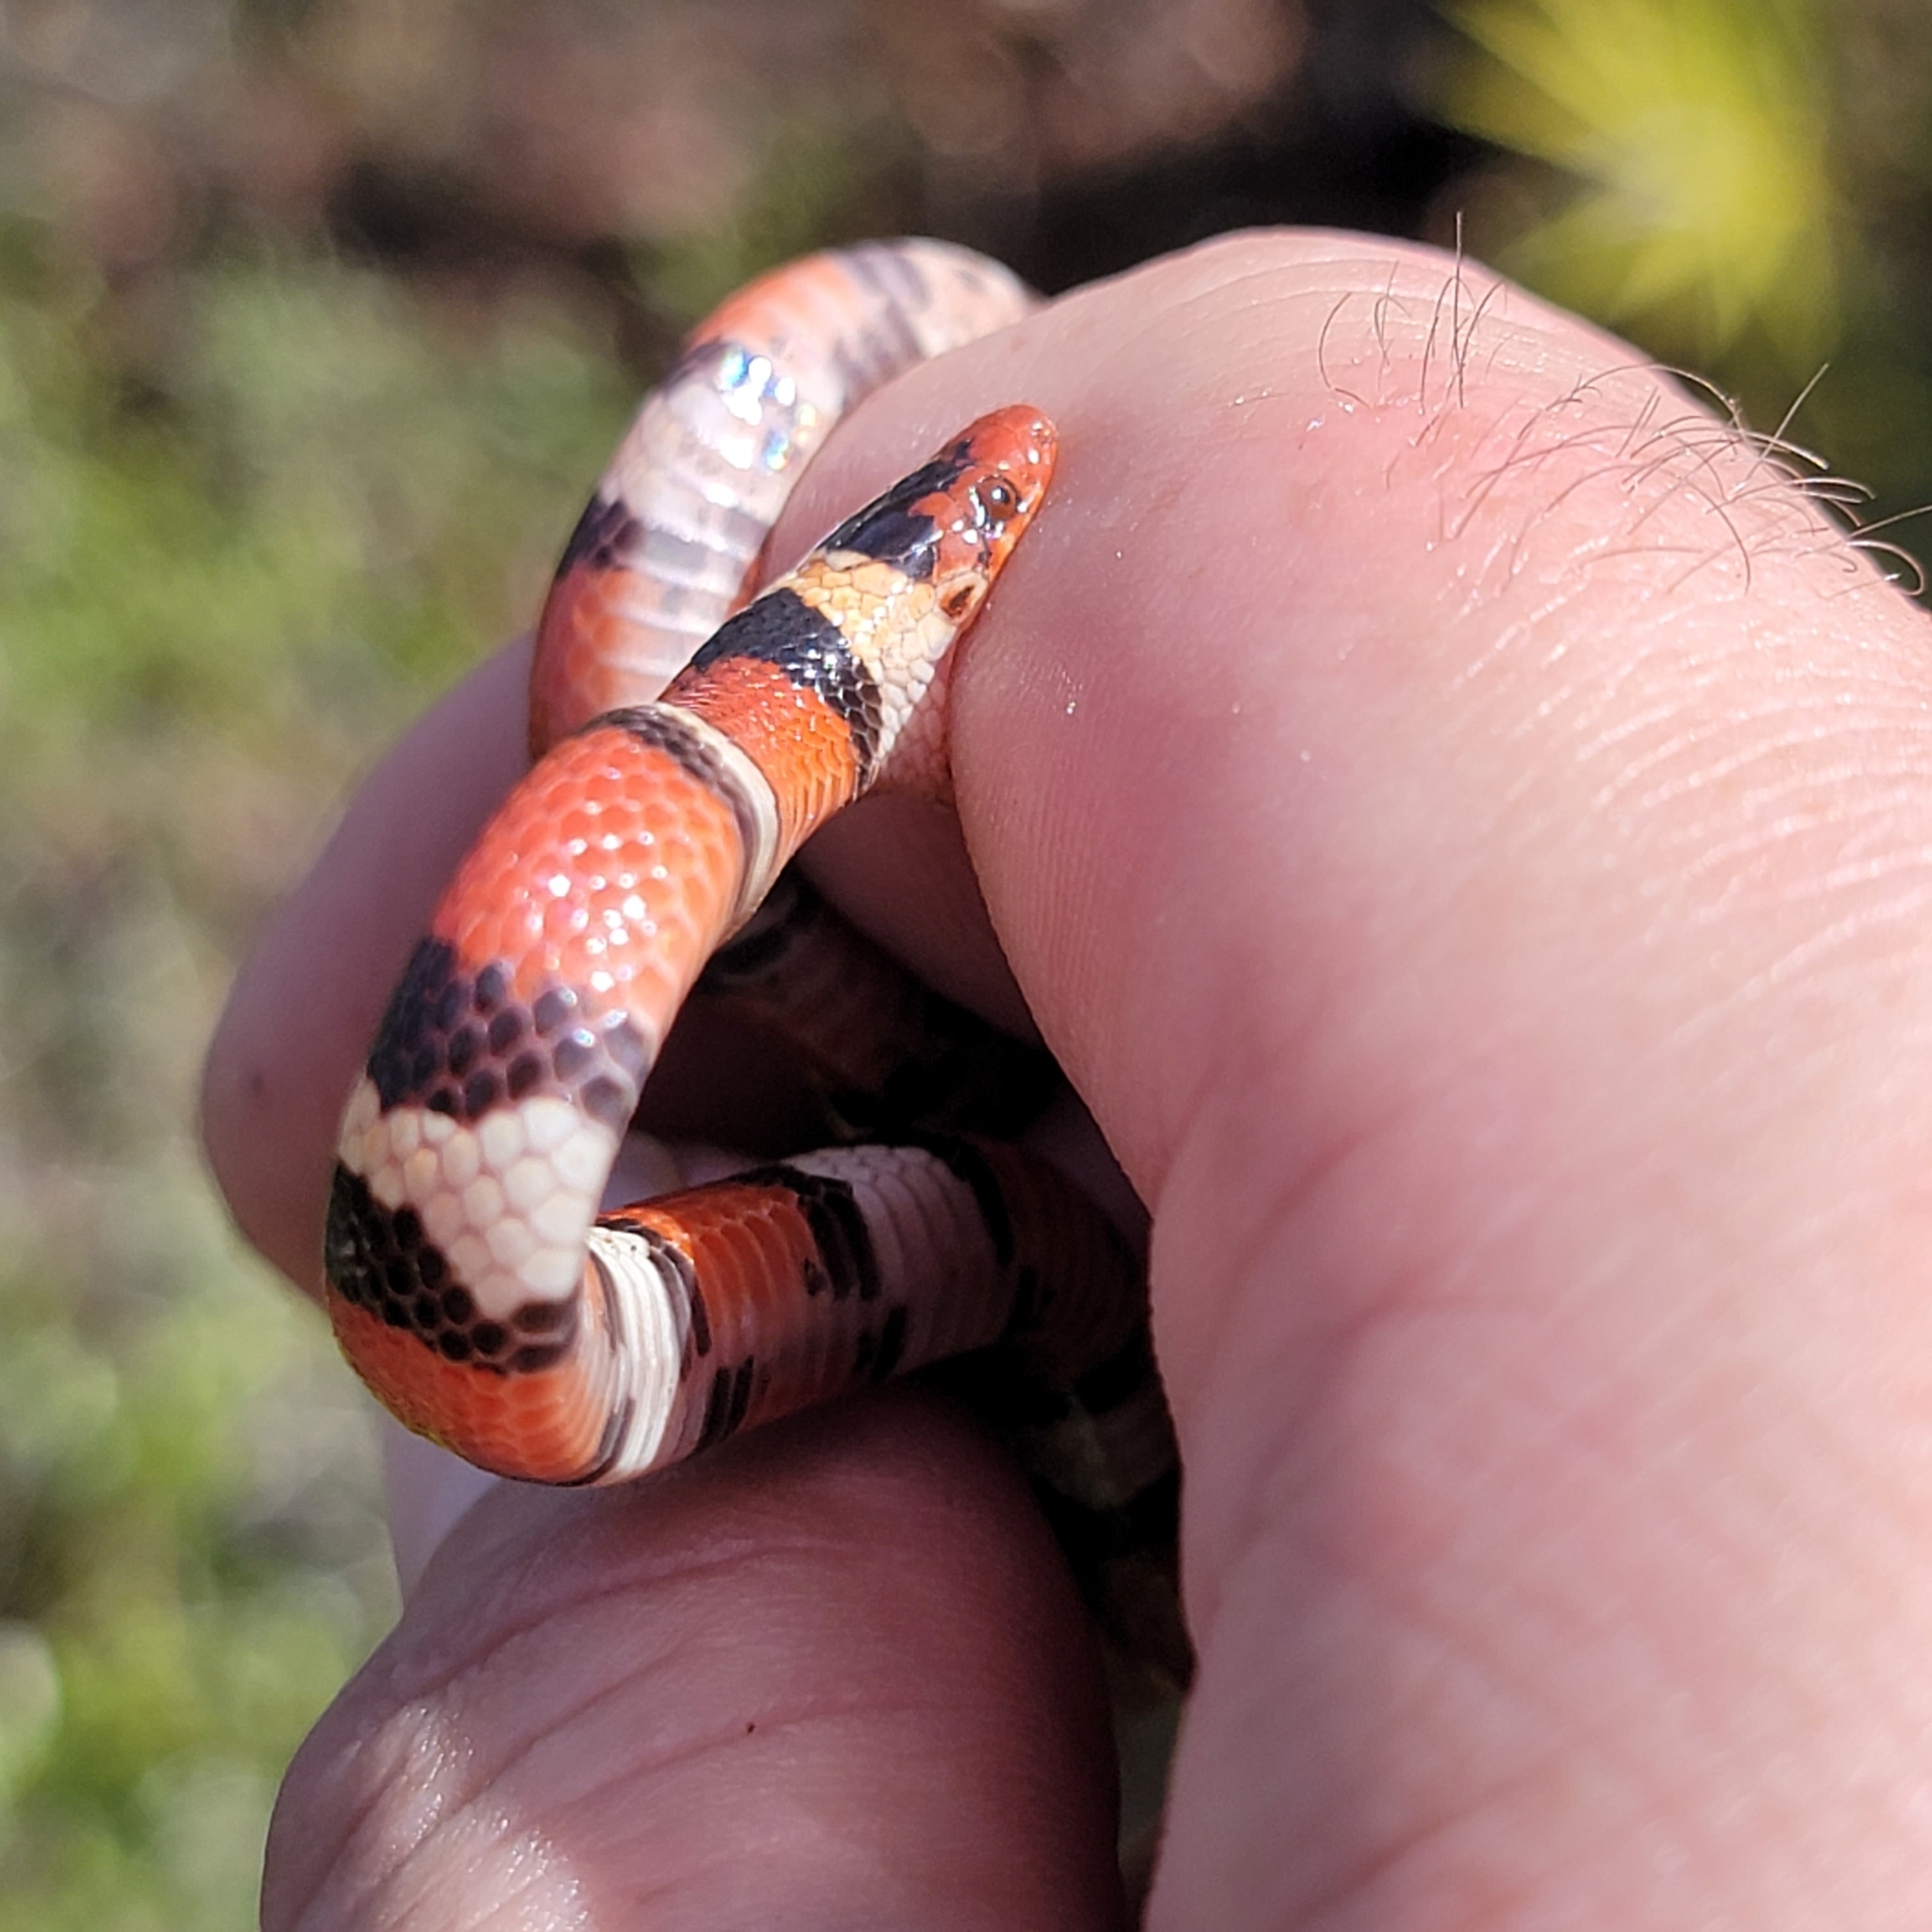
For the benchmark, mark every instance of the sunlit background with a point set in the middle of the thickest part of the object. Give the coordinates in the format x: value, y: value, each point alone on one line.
x: 316, y: 319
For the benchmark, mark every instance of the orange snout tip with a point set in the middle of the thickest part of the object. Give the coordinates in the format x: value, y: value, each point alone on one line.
x: 1017, y: 435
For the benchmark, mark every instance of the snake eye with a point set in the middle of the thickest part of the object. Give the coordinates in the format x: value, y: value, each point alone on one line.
x: 999, y: 498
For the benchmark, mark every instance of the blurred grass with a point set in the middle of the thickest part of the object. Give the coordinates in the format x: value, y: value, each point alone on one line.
x: 226, y: 581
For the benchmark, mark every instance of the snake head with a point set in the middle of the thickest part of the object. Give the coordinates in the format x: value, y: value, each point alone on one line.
x: 953, y: 522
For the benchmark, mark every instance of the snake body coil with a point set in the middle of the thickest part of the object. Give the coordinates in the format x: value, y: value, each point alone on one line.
x: 472, y: 1279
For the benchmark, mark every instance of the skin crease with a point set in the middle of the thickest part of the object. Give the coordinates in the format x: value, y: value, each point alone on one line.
x: 1465, y: 825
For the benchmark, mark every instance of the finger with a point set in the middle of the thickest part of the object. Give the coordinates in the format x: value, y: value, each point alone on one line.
x: 305, y: 1006
x: 1462, y: 818
x: 831, y: 1676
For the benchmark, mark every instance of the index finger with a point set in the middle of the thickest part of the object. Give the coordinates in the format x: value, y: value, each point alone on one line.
x: 1459, y: 811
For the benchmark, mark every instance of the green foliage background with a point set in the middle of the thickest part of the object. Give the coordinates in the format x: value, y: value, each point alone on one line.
x: 218, y: 597
x: 271, y: 471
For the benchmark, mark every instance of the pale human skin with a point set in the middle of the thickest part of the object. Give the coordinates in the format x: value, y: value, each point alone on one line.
x: 1466, y: 827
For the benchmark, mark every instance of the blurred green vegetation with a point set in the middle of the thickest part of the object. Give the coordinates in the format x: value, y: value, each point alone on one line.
x: 1741, y: 187
x: 316, y: 319
x: 222, y: 590
x: 1696, y: 133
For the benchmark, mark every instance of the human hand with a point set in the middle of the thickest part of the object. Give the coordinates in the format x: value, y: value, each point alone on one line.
x: 1462, y: 820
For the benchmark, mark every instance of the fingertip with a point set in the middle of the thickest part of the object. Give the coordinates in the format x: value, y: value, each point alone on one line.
x: 833, y: 1675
